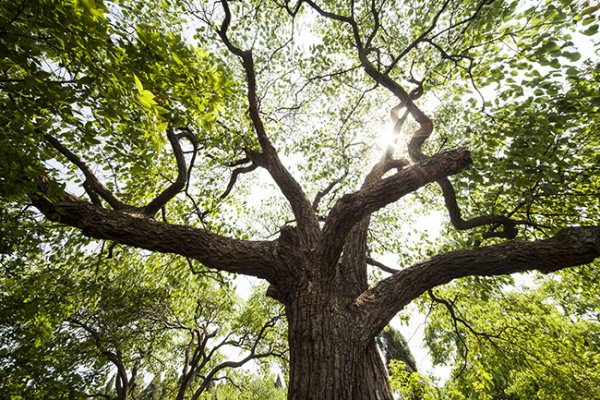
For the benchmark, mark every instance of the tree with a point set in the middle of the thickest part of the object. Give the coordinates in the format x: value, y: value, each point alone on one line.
x: 405, y: 380
x: 394, y: 347
x: 260, y: 386
x: 108, y: 325
x: 531, y: 346
x: 109, y: 93
x: 410, y: 384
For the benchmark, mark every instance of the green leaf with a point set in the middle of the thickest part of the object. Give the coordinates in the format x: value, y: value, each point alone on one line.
x: 162, y: 126
x: 138, y: 83
x: 592, y: 30
x: 574, y: 56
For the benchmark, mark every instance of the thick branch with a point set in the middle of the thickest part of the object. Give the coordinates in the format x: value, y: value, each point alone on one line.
x: 351, y: 208
x: 353, y: 266
x: 422, y: 134
x: 416, y: 154
x: 255, y: 258
x: 569, y: 247
x: 425, y: 129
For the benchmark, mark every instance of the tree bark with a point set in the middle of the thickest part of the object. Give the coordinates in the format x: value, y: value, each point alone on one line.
x: 256, y: 258
x: 327, y: 359
x: 333, y: 317
x: 350, y: 209
x: 569, y: 247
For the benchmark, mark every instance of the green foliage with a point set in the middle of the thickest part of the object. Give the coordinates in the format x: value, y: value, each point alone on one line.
x: 546, y: 149
x: 410, y: 384
x: 516, y: 345
x: 260, y: 386
x: 85, y: 71
x: 394, y: 347
x: 65, y: 317
x: 108, y: 78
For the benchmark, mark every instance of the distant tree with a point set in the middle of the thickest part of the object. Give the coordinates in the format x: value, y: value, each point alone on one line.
x: 528, y: 346
x: 101, y: 327
x: 262, y: 385
x: 394, y: 347
x: 142, y: 124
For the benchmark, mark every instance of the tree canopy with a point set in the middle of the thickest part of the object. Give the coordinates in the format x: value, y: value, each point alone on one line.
x: 151, y: 152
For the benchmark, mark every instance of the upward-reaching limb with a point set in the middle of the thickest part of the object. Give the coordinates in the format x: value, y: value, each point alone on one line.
x: 96, y: 190
x: 426, y: 126
x: 351, y: 208
x: 92, y: 184
x: 268, y: 158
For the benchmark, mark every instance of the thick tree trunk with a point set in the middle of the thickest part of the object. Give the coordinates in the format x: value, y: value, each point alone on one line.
x: 328, y: 361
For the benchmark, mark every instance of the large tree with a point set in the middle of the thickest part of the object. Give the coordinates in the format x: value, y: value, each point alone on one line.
x: 148, y: 106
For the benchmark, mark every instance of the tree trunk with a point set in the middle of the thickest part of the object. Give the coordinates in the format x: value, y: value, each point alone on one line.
x: 328, y: 359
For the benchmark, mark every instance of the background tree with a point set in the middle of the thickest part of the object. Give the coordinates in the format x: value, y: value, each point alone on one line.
x: 394, y: 347
x: 530, y: 346
x: 156, y: 111
x: 77, y: 326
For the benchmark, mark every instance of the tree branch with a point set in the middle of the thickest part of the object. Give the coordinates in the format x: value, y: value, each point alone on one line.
x: 509, y: 231
x: 569, y: 247
x: 123, y: 383
x: 381, y: 266
x: 351, y: 208
x: 322, y: 193
x: 234, y: 175
x: 187, y: 133
x: 419, y: 39
x: 422, y: 134
x: 330, y: 15
x: 269, y: 159
x: 252, y: 355
x: 425, y: 129
x: 256, y: 258
x: 451, y: 308
x: 92, y: 185
x: 416, y: 154
x: 178, y: 185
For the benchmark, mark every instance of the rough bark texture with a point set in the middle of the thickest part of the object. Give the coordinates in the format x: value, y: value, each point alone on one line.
x: 333, y: 316
x: 569, y: 247
x: 327, y: 359
x: 351, y: 208
x: 246, y: 257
